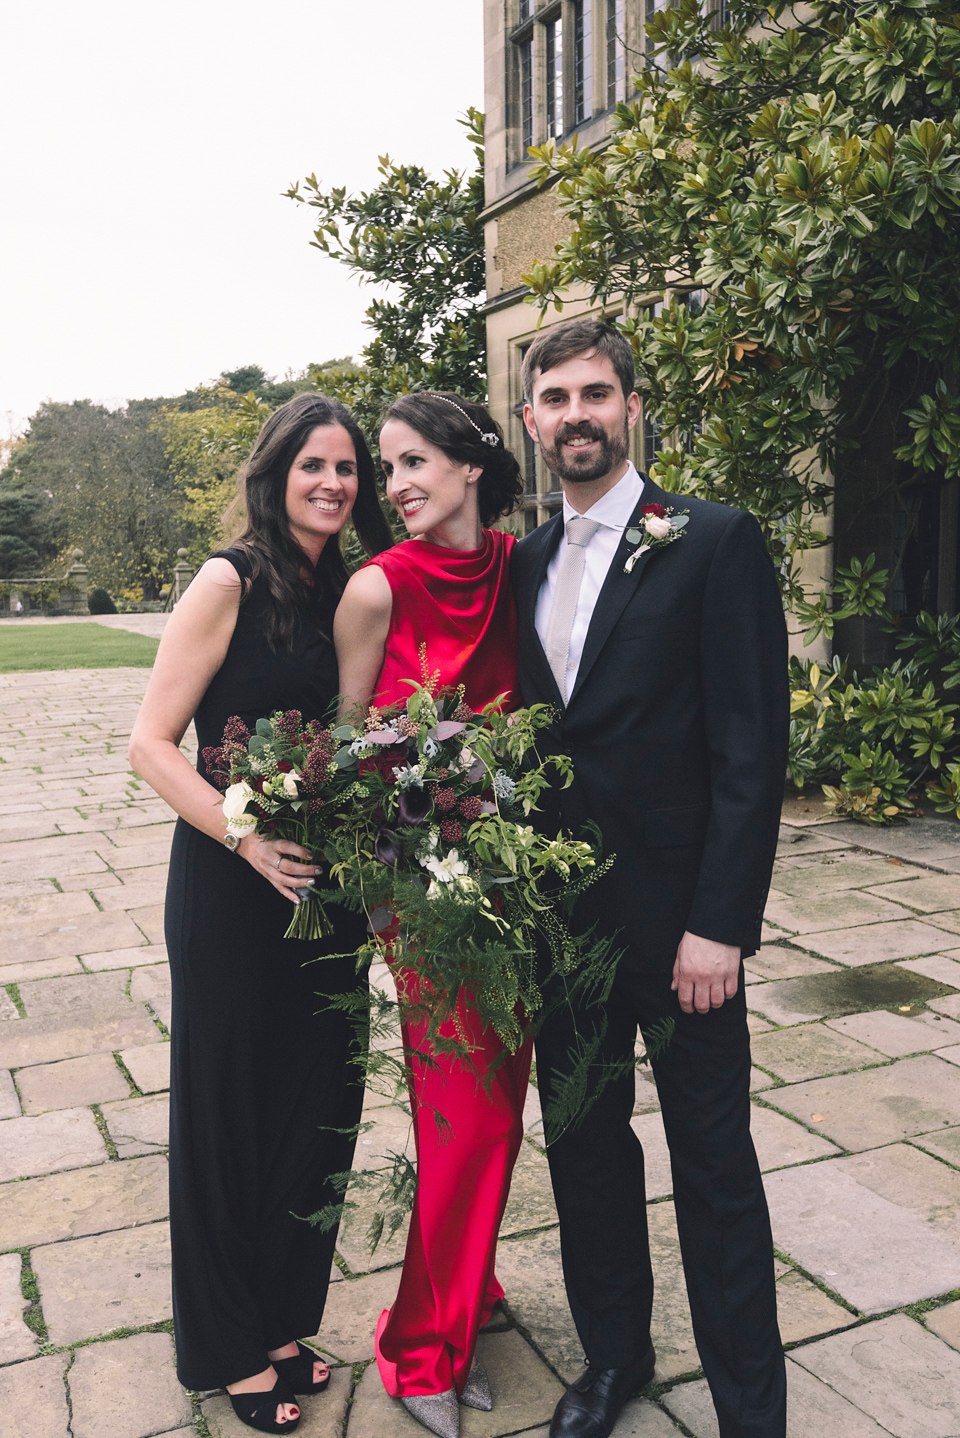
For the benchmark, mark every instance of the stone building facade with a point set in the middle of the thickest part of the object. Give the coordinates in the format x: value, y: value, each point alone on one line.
x: 552, y: 68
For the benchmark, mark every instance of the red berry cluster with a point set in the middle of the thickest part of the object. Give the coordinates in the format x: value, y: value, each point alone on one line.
x: 444, y: 800
x: 451, y: 830
x: 470, y: 808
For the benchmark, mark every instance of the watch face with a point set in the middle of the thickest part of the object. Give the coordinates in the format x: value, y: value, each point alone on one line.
x: 231, y: 841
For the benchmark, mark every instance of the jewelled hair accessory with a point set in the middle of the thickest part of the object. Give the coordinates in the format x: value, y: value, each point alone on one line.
x: 491, y: 437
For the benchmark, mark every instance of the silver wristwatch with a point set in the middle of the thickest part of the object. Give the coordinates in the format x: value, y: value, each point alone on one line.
x: 232, y: 841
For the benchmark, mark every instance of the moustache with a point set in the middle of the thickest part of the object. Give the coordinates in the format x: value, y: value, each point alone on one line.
x: 580, y: 431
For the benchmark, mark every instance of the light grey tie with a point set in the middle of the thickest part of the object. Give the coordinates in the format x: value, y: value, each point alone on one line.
x: 580, y: 531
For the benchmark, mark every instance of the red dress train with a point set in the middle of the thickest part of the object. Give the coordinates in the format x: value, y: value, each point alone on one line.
x: 459, y: 605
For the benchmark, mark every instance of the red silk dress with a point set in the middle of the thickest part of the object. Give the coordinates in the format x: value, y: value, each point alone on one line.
x: 459, y: 604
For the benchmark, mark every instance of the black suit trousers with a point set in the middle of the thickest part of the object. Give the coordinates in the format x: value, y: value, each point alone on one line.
x: 703, y: 1081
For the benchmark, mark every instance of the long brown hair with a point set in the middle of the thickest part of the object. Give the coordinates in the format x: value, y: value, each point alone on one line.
x: 267, y: 539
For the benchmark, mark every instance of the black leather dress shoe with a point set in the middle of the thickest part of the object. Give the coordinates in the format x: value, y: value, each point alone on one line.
x: 591, y: 1406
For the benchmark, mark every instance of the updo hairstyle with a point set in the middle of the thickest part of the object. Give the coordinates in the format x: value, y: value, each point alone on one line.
x: 456, y: 426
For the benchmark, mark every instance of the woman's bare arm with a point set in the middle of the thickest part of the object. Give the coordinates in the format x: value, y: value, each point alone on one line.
x: 360, y: 630
x: 193, y: 648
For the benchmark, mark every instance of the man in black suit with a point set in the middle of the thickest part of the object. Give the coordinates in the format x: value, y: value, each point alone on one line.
x: 663, y: 650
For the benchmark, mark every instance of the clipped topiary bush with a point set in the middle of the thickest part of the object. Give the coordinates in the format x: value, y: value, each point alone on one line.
x: 101, y: 603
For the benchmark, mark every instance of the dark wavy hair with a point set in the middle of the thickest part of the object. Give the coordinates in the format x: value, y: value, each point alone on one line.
x: 267, y: 539
x: 445, y: 420
x: 569, y: 340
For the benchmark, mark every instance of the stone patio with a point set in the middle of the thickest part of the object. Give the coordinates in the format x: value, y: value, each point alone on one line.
x: 855, y: 1008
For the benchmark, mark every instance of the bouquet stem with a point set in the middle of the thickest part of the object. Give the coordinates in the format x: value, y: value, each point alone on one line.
x: 310, y: 918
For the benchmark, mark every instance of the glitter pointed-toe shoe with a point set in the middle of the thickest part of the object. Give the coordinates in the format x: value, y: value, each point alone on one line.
x: 476, y: 1392
x: 439, y: 1412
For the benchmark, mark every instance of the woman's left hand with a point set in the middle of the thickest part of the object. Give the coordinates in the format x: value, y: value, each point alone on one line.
x: 287, y: 865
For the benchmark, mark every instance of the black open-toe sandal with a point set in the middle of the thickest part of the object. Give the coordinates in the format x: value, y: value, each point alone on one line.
x: 298, y: 1371
x: 259, y: 1410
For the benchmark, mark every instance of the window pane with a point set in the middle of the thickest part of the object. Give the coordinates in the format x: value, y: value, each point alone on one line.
x: 526, y: 95
x: 651, y: 439
x: 582, y: 60
x: 524, y: 11
x: 650, y: 9
x: 555, y: 79
x: 616, y: 58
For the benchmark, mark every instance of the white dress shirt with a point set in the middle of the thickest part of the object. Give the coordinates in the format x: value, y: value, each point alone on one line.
x: 612, y: 512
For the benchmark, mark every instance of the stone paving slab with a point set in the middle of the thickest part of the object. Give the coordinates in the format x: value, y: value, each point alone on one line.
x: 895, y: 1036
x: 812, y: 1408
x: 83, y: 1201
x: 924, y: 841
x: 149, y: 1067
x: 895, y: 1371
x: 9, y: 1102
x: 819, y: 996
x: 811, y: 1051
x: 152, y: 986
x: 83, y: 934
x: 105, y: 1404
x: 33, y: 1399
x: 68, y: 1138
x: 138, y: 1125
x: 926, y: 893
x: 840, y: 910
x: 16, y: 1339
x: 879, y: 1105
x: 40, y: 1041
x: 322, y: 1416
x: 828, y: 874
x: 350, y: 1317
x: 945, y: 1323
x: 127, y: 958
x: 93, y: 1286
x: 879, y: 943
x: 880, y: 1229
x: 942, y: 967
x: 89, y: 1080
x: 776, y: 961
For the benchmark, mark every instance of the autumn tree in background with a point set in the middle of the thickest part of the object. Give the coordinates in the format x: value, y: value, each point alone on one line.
x: 803, y: 174
x: 422, y: 239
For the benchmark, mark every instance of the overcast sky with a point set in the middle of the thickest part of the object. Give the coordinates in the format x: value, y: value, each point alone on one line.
x: 144, y: 242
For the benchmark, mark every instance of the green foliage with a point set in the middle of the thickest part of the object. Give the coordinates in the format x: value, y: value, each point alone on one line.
x: 99, y: 602
x: 806, y: 175
x: 29, y: 534
x: 878, y: 742
x: 422, y: 237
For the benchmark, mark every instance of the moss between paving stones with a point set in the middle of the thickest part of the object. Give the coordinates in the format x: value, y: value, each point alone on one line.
x: 853, y: 991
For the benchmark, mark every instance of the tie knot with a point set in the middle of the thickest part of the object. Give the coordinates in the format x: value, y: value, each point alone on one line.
x: 580, y: 531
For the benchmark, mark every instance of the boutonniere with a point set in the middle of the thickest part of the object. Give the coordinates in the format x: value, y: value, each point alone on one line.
x: 660, y: 528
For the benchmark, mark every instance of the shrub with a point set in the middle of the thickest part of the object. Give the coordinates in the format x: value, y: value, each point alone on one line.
x: 101, y: 603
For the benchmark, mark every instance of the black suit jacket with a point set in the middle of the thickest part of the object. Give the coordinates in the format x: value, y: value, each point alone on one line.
x: 677, y: 728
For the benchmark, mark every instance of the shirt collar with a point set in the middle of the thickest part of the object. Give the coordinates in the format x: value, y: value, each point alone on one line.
x: 613, y: 509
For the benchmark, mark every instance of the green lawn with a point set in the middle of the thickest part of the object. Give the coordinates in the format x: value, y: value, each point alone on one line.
x: 72, y: 646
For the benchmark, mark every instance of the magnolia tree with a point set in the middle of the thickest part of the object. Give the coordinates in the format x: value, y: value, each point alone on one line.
x: 798, y: 169
x: 423, y: 239
x: 804, y: 174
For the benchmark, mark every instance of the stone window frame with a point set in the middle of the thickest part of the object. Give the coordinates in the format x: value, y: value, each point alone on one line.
x: 528, y: 73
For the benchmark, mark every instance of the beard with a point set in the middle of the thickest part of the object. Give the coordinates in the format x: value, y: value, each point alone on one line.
x: 584, y: 469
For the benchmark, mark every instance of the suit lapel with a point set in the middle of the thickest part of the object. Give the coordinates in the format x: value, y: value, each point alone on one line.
x: 618, y: 587
x: 548, y: 536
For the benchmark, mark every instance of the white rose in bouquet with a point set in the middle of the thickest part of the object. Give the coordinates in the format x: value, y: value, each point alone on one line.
x: 235, y: 801
x: 290, y: 784
x: 657, y: 526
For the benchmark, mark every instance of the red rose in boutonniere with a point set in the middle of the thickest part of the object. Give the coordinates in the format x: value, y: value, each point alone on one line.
x: 661, y: 527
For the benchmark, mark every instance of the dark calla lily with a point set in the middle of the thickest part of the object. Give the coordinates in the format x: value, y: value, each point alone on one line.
x: 386, y: 848
x: 413, y: 806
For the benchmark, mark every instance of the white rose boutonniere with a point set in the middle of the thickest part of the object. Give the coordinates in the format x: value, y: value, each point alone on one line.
x: 660, y: 527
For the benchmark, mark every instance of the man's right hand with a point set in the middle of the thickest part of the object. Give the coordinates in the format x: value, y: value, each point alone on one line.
x: 705, y: 973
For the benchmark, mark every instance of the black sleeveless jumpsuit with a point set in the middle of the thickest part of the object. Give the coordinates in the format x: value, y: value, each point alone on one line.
x: 261, y: 1075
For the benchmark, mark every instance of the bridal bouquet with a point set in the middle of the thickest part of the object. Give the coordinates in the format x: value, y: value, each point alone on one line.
x: 419, y: 811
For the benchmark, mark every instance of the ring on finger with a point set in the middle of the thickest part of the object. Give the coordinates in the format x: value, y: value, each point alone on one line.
x: 279, y: 861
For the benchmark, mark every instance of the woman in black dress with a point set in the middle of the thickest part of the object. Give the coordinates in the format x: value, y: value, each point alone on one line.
x: 263, y: 1091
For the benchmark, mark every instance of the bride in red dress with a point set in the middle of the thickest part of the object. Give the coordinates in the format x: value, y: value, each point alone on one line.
x: 447, y: 588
